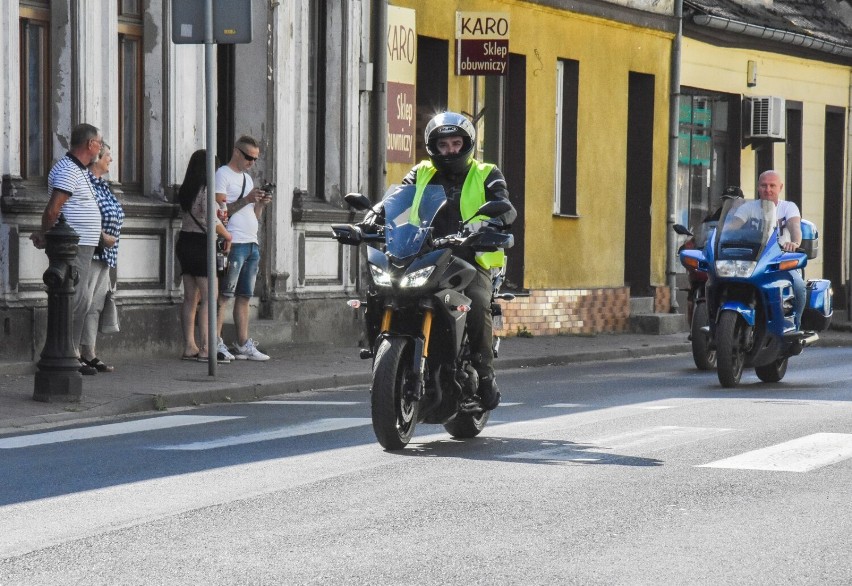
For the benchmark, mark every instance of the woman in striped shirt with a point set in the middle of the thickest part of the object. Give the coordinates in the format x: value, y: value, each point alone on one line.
x: 104, y: 258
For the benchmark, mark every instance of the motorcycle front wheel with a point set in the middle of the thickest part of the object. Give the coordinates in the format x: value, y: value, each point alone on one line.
x: 467, y: 425
x: 730, y: 348
x: 702, y: 349
x: 394, y: 418
x: 772, y: 372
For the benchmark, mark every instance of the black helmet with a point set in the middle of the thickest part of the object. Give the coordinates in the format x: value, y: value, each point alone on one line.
x: 732, y: 191
x: 445, y: 125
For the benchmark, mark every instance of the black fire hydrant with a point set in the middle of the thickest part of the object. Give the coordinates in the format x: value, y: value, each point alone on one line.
x: 58, y: 377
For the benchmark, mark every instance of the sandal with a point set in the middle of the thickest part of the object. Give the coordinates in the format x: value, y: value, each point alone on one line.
x: 98, y: 365
x: 192, y: 357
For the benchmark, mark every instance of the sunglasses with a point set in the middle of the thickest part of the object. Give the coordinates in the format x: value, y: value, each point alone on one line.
x: 248, y: 157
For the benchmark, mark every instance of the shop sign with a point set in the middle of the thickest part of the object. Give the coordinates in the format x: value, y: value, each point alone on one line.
x: 401, y: 84
x: 482, y: 43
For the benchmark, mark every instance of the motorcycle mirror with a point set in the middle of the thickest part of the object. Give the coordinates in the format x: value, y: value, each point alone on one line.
x: 682, y: 230
x: 492, y: 209
x: 359, y: 201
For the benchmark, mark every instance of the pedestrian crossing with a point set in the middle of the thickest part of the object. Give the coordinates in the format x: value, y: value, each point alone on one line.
x: 798, y: 454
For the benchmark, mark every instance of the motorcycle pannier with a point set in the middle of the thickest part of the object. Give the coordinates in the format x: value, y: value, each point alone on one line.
x: 818, y: 309
x: 810, y: 239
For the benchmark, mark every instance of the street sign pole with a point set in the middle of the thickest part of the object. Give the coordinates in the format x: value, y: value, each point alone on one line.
x: 223, y: 21
x: 212, y: 281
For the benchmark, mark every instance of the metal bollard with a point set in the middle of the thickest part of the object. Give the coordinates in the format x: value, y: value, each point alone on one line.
x: 58, y: 376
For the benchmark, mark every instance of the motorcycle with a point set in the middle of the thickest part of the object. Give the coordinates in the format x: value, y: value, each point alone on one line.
x: 750, y: 296
x: 415, y: 314
x: 703, y: 351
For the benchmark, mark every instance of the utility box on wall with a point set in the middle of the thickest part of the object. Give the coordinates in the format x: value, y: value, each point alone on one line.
x: 764, y: 118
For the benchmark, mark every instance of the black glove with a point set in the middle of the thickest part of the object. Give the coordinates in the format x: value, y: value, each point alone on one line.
x: 491, y: 227
x: 372, y: 220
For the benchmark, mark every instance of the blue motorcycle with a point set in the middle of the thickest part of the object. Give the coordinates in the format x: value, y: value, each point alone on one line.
x: 750, y: 296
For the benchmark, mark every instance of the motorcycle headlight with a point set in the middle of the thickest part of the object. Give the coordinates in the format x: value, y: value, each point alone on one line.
x: 735, y: 268
x: 418, y: 278
x: 380, y: 278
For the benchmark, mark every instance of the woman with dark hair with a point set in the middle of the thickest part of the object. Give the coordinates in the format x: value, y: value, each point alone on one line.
x: 191, y: 250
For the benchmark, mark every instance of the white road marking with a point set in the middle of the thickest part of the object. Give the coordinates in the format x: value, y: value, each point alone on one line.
x: 311, y: 427
x: 799, y: 455
x: 656, y: 407
x: 111, y: 429
x: 632, y: 443
x: 286, y: 402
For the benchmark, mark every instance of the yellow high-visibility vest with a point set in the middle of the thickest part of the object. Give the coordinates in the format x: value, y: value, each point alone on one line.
x: 472, y: 197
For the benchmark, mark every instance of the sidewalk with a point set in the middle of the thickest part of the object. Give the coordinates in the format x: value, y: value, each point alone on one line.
x: 161, y: 383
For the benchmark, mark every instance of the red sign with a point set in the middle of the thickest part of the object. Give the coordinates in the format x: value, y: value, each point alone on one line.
x: 401, y: 97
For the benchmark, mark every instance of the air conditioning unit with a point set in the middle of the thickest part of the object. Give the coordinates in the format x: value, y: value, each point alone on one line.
x: 765, y: 118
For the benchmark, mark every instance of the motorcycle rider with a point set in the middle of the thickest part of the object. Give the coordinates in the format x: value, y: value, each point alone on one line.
x: 789, y: 220
x: 450, y: 141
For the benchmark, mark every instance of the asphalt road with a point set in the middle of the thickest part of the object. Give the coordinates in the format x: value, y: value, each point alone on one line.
x: 625, y: 472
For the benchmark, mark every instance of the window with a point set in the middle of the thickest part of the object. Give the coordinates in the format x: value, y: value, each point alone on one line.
x: 565, y: 186
x: 35, y: 90
x: 130, y: 88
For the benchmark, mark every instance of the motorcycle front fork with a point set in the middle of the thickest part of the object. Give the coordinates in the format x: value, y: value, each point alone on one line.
x: 414, y: 385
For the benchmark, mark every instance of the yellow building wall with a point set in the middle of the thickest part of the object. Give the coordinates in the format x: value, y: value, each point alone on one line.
x: 587, y: 251
x: 814, y: 83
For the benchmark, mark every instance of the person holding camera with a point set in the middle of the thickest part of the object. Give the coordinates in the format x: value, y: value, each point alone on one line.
x: 245, y: 204
x: 191, y: 251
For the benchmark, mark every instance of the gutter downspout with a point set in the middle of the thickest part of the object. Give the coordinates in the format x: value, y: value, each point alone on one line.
x: 674, y: 127
x: 848, y: 189
x: 378, y: 103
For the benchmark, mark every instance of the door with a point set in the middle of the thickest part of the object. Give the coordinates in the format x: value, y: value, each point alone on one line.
x: 833, y: 218
x: 640, y: 157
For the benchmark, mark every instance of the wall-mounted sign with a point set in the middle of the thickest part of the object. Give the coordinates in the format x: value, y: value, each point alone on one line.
x: 482, y: 43
x: 401, y: 84
x: 231, y: 21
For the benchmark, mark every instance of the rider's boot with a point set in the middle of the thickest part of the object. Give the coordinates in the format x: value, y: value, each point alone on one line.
x: 489, y: 394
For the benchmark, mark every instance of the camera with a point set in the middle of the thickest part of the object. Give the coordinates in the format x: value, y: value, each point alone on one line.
x: 267, y: 187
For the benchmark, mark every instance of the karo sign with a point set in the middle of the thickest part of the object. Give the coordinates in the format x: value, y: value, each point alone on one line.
x: 482, y: 43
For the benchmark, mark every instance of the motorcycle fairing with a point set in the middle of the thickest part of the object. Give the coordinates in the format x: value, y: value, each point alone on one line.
x: 408, y: 222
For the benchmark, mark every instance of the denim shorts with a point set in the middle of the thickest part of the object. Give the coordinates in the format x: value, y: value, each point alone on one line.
x: 243, y: 264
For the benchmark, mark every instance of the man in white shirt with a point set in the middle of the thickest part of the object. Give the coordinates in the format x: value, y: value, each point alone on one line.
x: 769, y: 186
x: 71, y: 193
x: 245, y: 207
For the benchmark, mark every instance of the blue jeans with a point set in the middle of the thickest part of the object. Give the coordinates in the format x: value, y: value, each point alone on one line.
x: 243, y: 264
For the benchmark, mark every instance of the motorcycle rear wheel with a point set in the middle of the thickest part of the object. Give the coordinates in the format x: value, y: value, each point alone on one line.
x: 394, y: 418
x: 467, y: 425
x: 772, y: 372
x: 703, y: 352
x: 730, y: 350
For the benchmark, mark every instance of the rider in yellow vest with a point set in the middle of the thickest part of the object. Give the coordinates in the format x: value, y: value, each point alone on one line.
x: 450, y: 141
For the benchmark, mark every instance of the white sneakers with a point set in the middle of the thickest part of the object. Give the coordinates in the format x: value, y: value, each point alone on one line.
x: 248, y: 351
x: 222, y: 353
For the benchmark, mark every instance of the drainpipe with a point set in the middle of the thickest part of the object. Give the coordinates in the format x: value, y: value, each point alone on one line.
x: 674, y: 124
x: 847, y: 187
x: 378, y: 104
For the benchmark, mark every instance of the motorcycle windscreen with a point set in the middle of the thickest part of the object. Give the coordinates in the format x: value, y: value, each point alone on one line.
x: 408, y: 217
x: 745, y: 228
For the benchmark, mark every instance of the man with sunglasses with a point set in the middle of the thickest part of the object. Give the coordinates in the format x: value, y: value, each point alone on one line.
x: 245, y: 204
x: 71, y: 193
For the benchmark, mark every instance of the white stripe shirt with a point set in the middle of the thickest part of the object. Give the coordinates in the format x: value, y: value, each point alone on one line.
x: 81, y: 210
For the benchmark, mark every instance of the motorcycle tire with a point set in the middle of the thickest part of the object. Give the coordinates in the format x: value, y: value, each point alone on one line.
x: 467, y: 425
x: 394, y: 418
x: 772, y: 372
x: 730, y: 351
x: 703, y: 352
